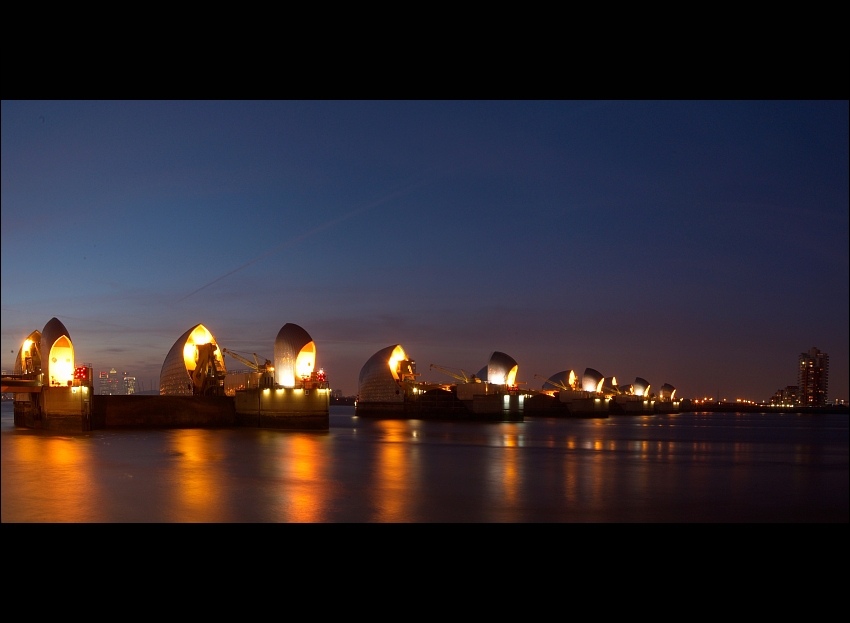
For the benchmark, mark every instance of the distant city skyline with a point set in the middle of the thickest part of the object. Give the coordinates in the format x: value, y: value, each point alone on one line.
x: 702, y: 244
x: 114, y: 383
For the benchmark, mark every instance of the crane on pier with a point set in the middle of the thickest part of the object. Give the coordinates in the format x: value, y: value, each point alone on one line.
x: 266, y: 366
x: 206, y: 378
x: 460, y: 377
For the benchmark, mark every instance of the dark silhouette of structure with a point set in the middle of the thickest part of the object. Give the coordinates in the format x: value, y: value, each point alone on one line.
x: 813, y: 378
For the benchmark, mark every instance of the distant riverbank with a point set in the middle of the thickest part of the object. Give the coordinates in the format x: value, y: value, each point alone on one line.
x: 736, y: 407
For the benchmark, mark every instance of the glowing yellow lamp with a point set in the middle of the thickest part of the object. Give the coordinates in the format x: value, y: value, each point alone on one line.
x: 397, y: 355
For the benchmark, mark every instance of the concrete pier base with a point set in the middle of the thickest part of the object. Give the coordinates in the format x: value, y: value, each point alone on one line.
x: 60, y: 409
x: 283, y: 408
x: 632, y: 405
x: 67, y: 411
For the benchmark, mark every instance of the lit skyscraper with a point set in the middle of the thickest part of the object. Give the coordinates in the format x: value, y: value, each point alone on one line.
x: 813, y: 377
x: 111, y: 384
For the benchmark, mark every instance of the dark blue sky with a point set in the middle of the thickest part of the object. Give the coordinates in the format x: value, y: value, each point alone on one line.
x: 702, y: 244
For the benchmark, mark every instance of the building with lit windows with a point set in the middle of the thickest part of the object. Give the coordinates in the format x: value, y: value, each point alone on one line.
x: 786, y: 397
x: 813, y: 378
x: 111, y: 383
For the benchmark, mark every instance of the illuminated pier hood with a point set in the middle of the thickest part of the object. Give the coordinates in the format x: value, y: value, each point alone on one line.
x: 194, y: 366
x: 294, y: 355
x: 501, y: 369
x: 28, y: 360
x: 57, y: 361
x: 592, y: 380
x: 564, y: 379
x: 667, y: 392
x: 381, y: 375
x: 641, y: 387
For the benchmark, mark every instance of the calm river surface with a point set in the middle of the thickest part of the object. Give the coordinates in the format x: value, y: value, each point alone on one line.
x: 664, y: 468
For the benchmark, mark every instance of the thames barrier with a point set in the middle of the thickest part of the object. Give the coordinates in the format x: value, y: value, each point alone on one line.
x: 52, y: 390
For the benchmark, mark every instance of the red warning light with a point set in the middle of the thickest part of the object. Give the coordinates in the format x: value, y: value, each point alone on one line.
x: 81, y: 373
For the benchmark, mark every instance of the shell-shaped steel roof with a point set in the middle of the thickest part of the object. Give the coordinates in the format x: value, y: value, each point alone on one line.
x: 52, y: 331
x: 501, y: 369
x: 591, y: 380
x: 30, y: 349
x: 641, y: 386
x: 565, y: 377
x: 175, y: 377
x: 378, y: 380
x: 51, y: 335
x: 667, y: 391
x: 294, y: 354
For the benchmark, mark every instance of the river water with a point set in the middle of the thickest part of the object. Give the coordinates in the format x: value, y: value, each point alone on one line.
x: 717, y: 467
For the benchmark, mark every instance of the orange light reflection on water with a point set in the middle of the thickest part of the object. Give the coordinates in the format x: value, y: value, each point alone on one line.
x: 307, y: 490
x: 511, y: 476
x: 59, y: 478
x: 197, y: 494
x: 393, y: 474
x: 505, y: 471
